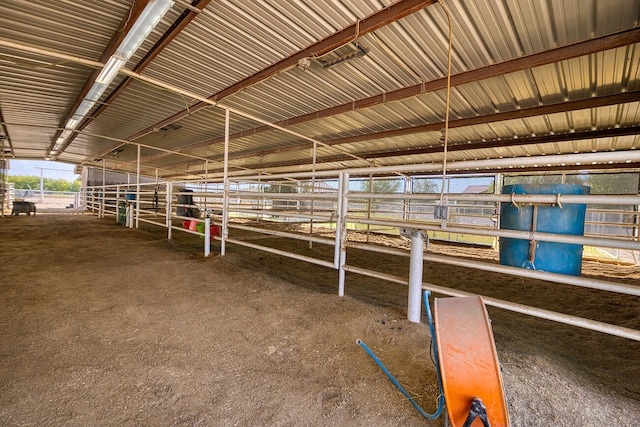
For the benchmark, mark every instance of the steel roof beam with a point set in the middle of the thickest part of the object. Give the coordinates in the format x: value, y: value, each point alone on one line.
x: 364, y: 26
x: 575, y: 50
x: 472, y: 121
x: 180, y: 23
x: 498, y: 143
x: 110, y: 48
x: 535, y: 60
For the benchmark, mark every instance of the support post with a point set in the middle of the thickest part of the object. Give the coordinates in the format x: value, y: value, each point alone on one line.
x: 168, y: 207
x: 104, y: 188
x: 341, y: 229
x: 137, y: 205
x: 415, y: 276
x: 372, y: 190
x: 117, y: 203
x: 207, y: 236
x: 225, y: 200
x: 130, y: 216
x: 313, y: 190
x: 41, y: 186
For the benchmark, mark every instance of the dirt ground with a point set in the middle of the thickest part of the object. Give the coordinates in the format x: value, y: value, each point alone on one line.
x: 102, y: 325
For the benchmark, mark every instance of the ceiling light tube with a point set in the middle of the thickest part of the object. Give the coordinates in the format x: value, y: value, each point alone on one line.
x: 72, y: 123
x: 110, y: 70
x: 148, y: 19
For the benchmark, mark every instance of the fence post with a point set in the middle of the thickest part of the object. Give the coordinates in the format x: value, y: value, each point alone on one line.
x: 168, y: 208
x: 207, y: 236
x: 415, y: 276
x: 341, y: 229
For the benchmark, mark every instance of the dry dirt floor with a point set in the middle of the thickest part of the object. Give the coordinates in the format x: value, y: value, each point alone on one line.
x: 101, y: 325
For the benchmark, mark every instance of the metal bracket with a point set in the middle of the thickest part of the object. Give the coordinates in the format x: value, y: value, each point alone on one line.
x: 477, y: 410
x: 406, y: 232
x: 441, y: 212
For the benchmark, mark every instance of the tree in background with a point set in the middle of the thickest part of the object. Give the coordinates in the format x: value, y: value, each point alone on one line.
x: 424, y: 185
x: 600, y: 183
x: 33, y: 183
x: 381, y: 185
x: 388, y: 185
x: 282, y: 203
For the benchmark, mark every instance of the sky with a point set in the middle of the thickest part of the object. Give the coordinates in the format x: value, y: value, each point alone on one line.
x: 30, y: 168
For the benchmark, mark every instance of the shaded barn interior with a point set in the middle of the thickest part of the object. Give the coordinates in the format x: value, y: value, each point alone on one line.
x: 318, y: 147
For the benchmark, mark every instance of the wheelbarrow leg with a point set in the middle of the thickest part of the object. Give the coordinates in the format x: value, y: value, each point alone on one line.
x: 478, y: 410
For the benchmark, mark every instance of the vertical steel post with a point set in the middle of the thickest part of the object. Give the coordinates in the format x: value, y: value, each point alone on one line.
x: 371, y: 190
x: 415, y: 276
x: 41, y: 185
x: 341, y: 229
x: 168, y: 208
x: 156, y: 200
x: 117, y: 202
x: 137, y: 202
x: 497, y: 189
x: 408, y: 189
x: 102, y: 194
x: 313, y: 189
x: 206, y: 185
x: 207, y: 236
x: 225, y: 174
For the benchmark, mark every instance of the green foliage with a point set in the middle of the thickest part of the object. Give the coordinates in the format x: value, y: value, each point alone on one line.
x: 545, y: 179
x: 277, y: 188
x: 33, y: 183
x: 600, y: 183
x: 280, y: 204
x: 76, y: 185
x: 25, y: 182
x: 381, y: 185
x: 424, y: 185
x: 622, y: 183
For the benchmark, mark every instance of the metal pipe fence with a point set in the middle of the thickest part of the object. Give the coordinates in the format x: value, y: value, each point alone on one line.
x: 250, y: 210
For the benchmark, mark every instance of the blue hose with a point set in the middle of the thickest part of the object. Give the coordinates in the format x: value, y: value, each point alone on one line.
x: 437, y: 365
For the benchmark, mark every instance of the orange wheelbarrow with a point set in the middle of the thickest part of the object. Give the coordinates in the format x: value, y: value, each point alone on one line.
x: 469, y: 367
x: 466, y: 364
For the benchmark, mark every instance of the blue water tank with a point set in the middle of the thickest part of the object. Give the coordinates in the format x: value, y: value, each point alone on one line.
x: 562, y: 258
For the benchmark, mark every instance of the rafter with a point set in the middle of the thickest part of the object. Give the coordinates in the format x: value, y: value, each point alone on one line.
x: 364, y: 26
x: 110, y: 48
x: 183, y: 20
x: 471, y: 121
x: 478, y: 145
x: 575, y: 50
x: 436, y: 127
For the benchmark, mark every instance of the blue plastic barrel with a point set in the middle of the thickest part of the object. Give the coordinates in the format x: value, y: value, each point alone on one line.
x: 562, y: 258
x: 130, y: 195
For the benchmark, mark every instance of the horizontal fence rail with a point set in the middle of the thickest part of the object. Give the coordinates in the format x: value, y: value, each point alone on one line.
x: 331, y: 209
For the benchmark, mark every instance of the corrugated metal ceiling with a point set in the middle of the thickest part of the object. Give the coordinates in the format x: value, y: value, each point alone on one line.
x: 232, y: 40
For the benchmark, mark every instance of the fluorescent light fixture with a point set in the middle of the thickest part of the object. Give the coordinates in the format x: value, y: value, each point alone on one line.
x: 72, y: 123
x: 96, y: 91
x: 59, y: 144
x: 148, y: 19
x: 110, y: 70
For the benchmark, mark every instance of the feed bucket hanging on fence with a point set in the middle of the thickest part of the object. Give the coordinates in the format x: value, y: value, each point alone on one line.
x: 214, y: 230
x: 562, y: 258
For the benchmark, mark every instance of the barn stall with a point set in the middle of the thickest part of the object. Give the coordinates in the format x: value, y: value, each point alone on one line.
x: 376, y: 149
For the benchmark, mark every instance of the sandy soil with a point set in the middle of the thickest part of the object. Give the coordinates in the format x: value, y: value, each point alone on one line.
x: 102, y: 325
